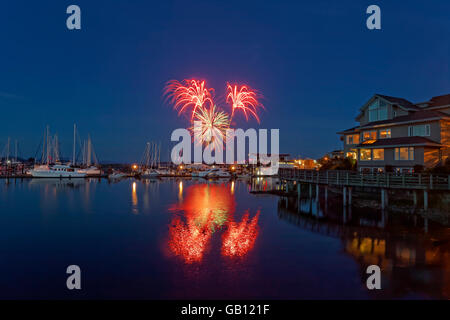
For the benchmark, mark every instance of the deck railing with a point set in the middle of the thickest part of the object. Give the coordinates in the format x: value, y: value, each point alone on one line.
x: 382, y: 180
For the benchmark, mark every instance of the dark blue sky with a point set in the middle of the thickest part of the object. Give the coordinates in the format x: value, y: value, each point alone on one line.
x: 315, y: 62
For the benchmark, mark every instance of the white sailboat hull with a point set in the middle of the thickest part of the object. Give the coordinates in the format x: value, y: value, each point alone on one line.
x: 92, y: 171
x: 51, y: 173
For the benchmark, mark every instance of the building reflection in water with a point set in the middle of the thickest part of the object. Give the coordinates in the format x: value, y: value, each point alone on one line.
x: 412, y: 252
x: 204, y: 210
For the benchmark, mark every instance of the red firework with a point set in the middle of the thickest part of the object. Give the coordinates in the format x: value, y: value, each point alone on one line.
x: 243, y: 98
x: 189, y: 94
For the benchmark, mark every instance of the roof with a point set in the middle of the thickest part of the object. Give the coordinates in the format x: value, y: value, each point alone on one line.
x: 440, y: 101
x: 412, y: 117
x: 403, y: 141
x: 399, y: 101
x: 417, y: 112
x: 349, y: 130
x: 415, y: 116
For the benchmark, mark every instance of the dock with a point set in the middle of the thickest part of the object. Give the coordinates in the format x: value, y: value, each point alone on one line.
x: 347, y: 180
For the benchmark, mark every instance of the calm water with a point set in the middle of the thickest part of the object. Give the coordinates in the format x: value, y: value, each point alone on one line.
x: 172, y: 238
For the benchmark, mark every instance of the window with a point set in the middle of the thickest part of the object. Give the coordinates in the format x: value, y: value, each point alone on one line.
x: 365, y: 154
x: 351, y: 154
x: 404, y: 153
x: 384, y: 134
x: 378, y: 154
x: 378, y: 111
x: 369, y: 135
x: 422, y: 130
x: 353, y: 139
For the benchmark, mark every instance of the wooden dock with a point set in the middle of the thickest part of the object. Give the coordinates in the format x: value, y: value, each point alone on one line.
x: 348, y: 180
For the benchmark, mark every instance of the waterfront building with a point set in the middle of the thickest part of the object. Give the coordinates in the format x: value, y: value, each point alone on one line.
x: 397, y: 135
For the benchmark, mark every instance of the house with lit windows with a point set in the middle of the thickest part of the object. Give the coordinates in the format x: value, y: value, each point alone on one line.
x: 397, y: 135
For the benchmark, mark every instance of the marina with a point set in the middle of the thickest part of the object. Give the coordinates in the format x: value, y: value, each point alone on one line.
x: 224, y: 159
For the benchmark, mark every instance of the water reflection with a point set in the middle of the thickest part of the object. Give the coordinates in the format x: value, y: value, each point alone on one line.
x: 213, y: 242
x: 239, y: 238
x: 413, y: 252
x: 205, y: 209
x: 134, y: 198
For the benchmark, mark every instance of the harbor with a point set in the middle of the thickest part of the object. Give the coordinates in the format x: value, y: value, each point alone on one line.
x: 224, y: 159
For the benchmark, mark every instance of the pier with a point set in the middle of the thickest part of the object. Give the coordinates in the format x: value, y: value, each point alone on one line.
x: 347, y: 180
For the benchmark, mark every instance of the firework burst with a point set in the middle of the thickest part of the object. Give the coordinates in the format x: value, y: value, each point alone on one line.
x: 189, y: 94
x: 243, y: 98
x: 213, y: 126
x: 193, y: 97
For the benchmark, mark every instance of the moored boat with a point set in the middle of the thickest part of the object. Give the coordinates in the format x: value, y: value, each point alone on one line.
x: 117, y: 175
x: 56, y: 171
x: 91, y: 171
x: 214, y: 173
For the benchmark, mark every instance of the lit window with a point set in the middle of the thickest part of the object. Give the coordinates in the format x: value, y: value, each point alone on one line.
x: 369, y: 135
x: 378, y: 154
x: 404, y: 153
x: 384, y: 134
x: 351, y: 154
x: 353, y: 139
x: 365, y: 154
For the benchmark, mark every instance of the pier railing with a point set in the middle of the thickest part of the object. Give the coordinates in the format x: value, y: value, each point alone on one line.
x: 382, y: 180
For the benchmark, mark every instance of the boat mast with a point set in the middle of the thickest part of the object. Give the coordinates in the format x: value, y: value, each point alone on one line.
x: 147, y: 156
x: 84, y: 152
x: 89, y: 151
x: 43, y: 148
x: 159, y: 155
x: 74, y: 138
x: 153, y: 154
x: 48, y: 145
x: 55, y: 149
x: 7, y: 150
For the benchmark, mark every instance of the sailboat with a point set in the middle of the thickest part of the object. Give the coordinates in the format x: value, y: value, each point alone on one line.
x: 89, y: 156
x: 150, y: 160
x: 50, y: 166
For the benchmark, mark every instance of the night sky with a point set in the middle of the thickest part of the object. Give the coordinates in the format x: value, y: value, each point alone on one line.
x: 315, y: 62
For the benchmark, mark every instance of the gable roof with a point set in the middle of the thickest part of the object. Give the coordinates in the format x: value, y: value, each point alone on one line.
x: 402, y: 103
x: 399, y: 101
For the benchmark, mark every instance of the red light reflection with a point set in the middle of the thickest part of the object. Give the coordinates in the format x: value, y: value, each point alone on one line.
x: 239, y: 238
x: 206, y: 209
x: 188, y: 241
x: 207, y: 205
